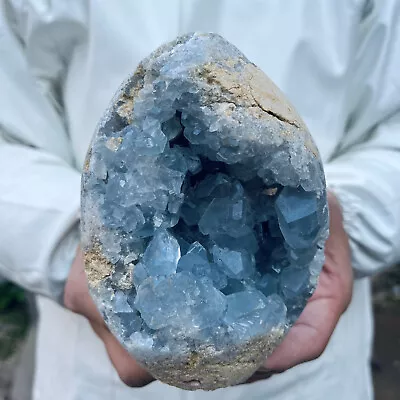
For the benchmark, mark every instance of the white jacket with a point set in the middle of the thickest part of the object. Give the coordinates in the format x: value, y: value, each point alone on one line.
x: 61, y: 62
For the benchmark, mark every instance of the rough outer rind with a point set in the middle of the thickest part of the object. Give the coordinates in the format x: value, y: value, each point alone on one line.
x: 97, y: 267
x: 210, y: 370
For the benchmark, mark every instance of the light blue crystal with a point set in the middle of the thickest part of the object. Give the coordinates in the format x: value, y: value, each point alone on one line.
x: 134, y: 218
x: 221, y: 217
x: 150, y: 305
x: 268, y: 284
x: 172, y: 127
x: 142, y: 342
x: 180, y: 301
x: 209, y: 306
x: 183, y: 244
x: 233, y: 286
x: 175, y: 203
x: 198, y: 249
x: 297, y: 213
x: 260, y: 320
x: 192, y: 160
x: 130, y: 322
x: 162, y: 255
x: 236, y: 264
x: 246, y: 242
x: 174, y: 160
x: 120, y: 303
x: 294, y: 282
x: 243, y: 303
x: 149, y: 140
x: 218, y: 185
x: 317, y: 262
x: 191, y: 212
x: 196, y: 261
x: 140, y: 273
x: 219, y: 279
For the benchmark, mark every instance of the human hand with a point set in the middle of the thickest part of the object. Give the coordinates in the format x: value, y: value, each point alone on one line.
x: 78, y: 300
x: 309, y: 336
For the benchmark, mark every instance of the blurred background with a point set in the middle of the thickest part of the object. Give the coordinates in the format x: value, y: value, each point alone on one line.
x: 17, y: 335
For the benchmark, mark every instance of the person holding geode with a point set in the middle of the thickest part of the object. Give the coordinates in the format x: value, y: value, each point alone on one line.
x: 61, y: 66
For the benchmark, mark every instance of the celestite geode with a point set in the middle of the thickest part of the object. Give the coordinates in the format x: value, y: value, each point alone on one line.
x: 204, y: 214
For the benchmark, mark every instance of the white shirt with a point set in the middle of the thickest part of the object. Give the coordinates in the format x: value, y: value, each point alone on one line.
x: 60, y: 64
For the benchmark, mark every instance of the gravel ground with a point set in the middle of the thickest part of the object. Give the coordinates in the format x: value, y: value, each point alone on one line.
x: 13, y: 327
x: 15, y: 313
x: 386, y: 359
x: 6, y: 372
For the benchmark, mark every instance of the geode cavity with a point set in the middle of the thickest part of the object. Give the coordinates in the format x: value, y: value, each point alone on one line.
x: 204, y: 214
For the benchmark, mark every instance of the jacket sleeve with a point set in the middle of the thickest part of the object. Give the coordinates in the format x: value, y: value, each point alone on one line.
x: 39, y: 183
x: 365, y: 174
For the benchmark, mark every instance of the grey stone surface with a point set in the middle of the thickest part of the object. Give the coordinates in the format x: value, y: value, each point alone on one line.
x: 204, y: 214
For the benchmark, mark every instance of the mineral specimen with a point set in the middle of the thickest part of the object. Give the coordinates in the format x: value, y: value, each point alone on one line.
x: 204, y: 214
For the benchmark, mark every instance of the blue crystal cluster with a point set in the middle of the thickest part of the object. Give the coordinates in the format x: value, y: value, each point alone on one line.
x: 217, y: 223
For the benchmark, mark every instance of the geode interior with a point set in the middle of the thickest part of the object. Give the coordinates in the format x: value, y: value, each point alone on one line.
x: 203, y: 214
